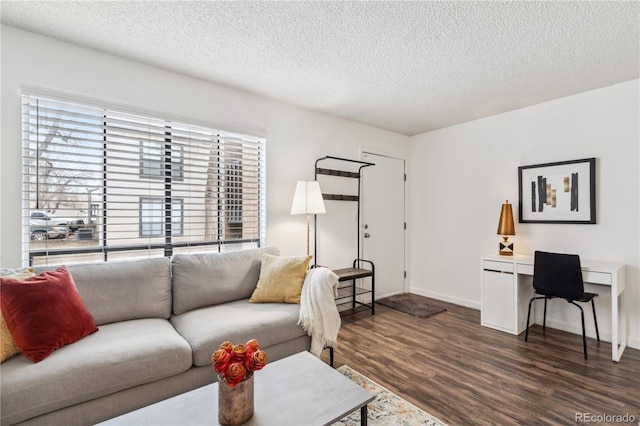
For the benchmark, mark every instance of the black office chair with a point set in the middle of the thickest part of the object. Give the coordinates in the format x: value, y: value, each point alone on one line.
x: 559, y: 275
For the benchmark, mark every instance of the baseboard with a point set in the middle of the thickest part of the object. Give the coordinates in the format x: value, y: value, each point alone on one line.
x: 382, y: 296
x: 446, y: 298
x: 605, y: 335
x: 568, y: 327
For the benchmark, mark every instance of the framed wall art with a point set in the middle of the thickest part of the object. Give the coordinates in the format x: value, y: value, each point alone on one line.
x: 563, y: 192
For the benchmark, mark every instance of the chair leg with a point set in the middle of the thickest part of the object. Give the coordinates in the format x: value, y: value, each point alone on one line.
x: 595, y: 321
x: 584, y: 336
x: 544, y: 318
x: 526, y: 334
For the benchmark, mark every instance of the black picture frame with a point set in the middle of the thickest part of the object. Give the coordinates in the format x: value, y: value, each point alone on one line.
x: 561, y: 192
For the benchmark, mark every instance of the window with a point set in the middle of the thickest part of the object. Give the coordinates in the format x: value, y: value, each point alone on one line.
x: 136, y: 186
x: 154, y: 156
x: 152, y: 217
x: 176, y: 218
x: 39, y: 215
x: 151, y: 220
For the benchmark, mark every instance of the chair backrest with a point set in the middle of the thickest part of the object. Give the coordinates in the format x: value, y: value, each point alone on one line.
x: 558, y: 275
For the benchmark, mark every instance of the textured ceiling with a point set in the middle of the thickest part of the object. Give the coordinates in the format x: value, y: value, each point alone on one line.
x: 409, y: 67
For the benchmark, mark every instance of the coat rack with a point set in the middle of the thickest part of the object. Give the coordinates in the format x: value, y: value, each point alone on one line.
x: 348, y: 292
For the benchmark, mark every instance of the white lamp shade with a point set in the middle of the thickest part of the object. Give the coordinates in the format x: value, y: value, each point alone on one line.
x: 307, y: 199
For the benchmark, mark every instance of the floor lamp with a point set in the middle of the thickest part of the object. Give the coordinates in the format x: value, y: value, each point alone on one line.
x: 308, y: 200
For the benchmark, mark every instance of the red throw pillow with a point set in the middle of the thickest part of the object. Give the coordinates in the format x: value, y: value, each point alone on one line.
x: 44, y: 312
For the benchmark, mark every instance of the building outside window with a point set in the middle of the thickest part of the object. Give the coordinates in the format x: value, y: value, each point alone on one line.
x: 233, y: 200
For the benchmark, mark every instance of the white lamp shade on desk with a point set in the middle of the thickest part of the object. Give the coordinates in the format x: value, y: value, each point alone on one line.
x: 307, y: 199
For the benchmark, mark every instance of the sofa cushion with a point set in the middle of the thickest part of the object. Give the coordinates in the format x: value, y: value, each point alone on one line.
x: 44, y: 312
x: 206, y: 328
x: 120, y: 356
x: 281, y: 279
x: 120, y: 291
x: 211, y: 278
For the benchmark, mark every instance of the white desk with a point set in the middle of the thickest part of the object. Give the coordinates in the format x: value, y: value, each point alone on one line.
x: 506, y: 291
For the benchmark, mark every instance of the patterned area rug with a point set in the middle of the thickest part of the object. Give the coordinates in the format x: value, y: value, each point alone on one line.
x: 411, y: 304
x: 387, y: 409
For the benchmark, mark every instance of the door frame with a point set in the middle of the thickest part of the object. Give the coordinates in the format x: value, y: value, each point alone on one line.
x: 390, y: 154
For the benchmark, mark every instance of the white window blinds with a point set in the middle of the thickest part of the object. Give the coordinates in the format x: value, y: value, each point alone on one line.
x: 101, y: 184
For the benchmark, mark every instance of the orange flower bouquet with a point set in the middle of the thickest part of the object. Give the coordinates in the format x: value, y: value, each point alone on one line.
x: 235, y: 363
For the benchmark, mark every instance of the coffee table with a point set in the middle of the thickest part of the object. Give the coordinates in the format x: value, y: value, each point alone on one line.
x: 297, y: 390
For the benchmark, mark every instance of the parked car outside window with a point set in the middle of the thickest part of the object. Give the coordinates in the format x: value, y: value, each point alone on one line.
x: 43, y: 218
x: 44, y: 232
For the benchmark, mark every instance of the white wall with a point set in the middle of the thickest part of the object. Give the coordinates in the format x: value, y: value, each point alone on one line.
x: 459, y: 177
x: 296, y: 137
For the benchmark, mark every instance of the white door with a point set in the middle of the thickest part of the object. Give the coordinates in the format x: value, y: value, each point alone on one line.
x: 382, y: 222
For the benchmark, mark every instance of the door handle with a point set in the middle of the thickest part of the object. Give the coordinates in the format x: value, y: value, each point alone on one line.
x: 367, y: 235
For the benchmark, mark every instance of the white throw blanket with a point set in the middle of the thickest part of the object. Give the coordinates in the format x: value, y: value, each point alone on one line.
x: 318, y: 311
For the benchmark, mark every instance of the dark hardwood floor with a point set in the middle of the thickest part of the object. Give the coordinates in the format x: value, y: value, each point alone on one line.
x: 466, y: 374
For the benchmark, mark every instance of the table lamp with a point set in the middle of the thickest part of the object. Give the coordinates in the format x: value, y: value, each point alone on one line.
x: 506, y: 228
x: 308, y: 200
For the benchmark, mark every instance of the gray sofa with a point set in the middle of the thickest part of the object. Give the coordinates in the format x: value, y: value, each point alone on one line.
x: 159, y: 322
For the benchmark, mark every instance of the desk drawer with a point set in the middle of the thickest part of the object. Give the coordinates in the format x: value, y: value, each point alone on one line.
x: 596, y: 277
x: 525, y: 269
x: 491, y: 265
x: 587, y: 276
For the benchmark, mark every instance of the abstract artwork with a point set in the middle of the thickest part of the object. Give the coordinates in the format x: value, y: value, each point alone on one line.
x: 562, y: 192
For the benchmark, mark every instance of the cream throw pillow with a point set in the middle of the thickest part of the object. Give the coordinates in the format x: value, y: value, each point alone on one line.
x: 8, y: 347
x: 281, y: 279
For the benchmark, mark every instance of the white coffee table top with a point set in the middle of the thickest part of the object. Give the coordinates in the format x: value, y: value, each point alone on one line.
x: 297, y: 390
